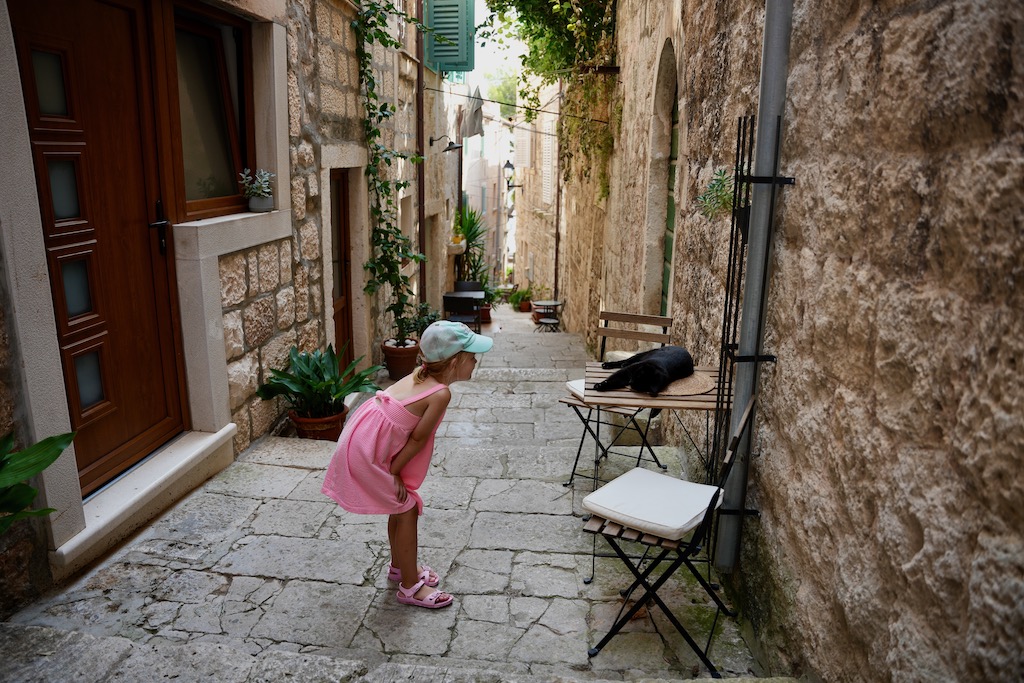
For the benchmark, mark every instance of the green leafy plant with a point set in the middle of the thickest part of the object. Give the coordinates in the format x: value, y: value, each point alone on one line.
x: 391, y: 248
x: 256, y: 185
x: 418, y: 319
x: 519, y: 296
x: 15, y: 495
x: 314, y: 385
x: 717, y: 199
x: 471, y: 264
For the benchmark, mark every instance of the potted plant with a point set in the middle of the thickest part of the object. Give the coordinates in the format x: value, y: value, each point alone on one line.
x: 401, y: 351
x: 15, y: 468
x: 315, y: 389
x: 256, y: 187
x: 520, y: 299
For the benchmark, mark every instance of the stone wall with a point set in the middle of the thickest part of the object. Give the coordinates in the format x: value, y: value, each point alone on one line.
x: 24, y: 571
x: 274, y: 294
x: 889, y: 545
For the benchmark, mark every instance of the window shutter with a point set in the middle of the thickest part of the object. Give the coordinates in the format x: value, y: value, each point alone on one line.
x: 548, y: 160
x: 452, y: 19
x: 524, y: 147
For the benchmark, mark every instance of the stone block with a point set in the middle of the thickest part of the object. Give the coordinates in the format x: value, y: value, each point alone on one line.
x: 259, y: 321
x: 264, y: 415
x: 309, y: 240
x: 234, y: 339
x: 298, y: 195
x: 275, y: 354
x: 243, y: 378
x: 269, y: 268
x: 233, y: 285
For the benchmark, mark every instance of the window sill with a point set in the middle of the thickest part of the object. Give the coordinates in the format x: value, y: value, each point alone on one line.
x: 196, y: 240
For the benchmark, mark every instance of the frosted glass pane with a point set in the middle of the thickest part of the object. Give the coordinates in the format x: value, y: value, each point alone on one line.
x: 75, y: 275
x: 64, y: 188
x: 90, y: 384
x: 205, y: 142
x: 49, y: 74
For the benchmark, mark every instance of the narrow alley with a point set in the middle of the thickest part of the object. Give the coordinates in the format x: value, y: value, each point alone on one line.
x: 256, y: 576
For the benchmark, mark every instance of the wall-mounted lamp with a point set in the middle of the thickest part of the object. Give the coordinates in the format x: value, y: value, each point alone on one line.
x: 451, y: 145
x: 509, y: 170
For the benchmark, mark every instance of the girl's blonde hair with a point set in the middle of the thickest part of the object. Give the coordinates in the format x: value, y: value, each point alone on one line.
x: 440, y: 370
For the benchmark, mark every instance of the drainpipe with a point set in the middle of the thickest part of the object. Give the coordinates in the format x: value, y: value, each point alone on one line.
x: 558, y: 203
x: 421, y: 180
x: 778, y: 23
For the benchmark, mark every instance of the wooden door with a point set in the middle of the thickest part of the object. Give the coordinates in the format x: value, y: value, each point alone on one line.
x: 341, y: 256
x: 85, y: 72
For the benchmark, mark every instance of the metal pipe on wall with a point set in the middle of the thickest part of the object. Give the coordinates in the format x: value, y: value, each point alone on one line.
x: 778, y: 23
x: 421, y: 180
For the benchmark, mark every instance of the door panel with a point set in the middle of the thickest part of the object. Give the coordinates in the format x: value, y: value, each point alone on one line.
x: 342, y: 258
x: 86, y: 78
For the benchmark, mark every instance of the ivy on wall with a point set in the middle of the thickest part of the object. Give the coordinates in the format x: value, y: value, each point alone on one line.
x: 391, y: 247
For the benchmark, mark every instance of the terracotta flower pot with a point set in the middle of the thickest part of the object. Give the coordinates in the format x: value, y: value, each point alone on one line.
x: 399, y: 360
x: 321, y: 428
x: 485, y: 313
x: 525, y: 306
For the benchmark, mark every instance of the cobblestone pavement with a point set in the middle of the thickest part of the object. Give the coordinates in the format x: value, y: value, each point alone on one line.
x: 257, y: 576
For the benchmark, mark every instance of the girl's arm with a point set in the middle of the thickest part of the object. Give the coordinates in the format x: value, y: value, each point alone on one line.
x: 437, y: 403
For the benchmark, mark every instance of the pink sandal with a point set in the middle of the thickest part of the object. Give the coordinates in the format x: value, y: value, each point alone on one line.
x: 407, y: 596
x: 428, y: 575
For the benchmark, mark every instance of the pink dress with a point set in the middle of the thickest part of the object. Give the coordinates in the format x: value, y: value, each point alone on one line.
x: 359, y: 478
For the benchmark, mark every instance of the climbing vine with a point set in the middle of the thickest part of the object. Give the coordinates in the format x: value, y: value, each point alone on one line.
x: 572, y: 40
x: 391, y: 247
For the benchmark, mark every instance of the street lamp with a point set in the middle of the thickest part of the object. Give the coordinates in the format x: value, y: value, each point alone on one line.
x: 509, y: 171
x: 452, y: 146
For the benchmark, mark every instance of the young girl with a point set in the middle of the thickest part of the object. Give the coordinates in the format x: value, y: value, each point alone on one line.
x: 384, y: 452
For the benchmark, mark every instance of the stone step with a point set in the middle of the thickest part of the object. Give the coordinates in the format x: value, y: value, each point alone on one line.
x: 41, y: 654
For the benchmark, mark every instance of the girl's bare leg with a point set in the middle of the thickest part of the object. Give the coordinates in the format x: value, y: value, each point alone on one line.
x: 402, y: 533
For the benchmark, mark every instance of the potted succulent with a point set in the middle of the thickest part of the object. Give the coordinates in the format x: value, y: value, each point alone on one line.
x: 256, y: 188
x: 315, y: 388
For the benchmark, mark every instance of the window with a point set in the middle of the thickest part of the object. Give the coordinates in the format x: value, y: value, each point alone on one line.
x: 212, y: 58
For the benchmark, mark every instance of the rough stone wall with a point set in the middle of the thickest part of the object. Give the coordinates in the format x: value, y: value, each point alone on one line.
x: 892, y: 430
x: 535, y: 213
x: 889, y: 545
x: 263, y: 319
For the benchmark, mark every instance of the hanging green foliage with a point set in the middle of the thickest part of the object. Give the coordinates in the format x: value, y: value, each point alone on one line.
x: 717, y: 199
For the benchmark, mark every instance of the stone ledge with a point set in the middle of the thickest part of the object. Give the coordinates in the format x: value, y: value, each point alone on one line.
x: 140, y: 495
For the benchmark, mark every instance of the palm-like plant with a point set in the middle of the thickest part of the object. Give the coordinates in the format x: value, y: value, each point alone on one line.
x: 15, y: 468
x: 314, y: 386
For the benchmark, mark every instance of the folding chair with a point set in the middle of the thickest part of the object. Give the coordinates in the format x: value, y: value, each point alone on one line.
x: 462, y: 310
x: 658, y: 511
x: 593, y: 422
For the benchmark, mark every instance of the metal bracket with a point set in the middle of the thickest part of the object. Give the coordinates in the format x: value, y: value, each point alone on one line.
x: 746, y: 512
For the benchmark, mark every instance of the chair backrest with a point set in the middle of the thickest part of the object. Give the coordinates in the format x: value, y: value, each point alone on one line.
x: 458, y: 304
x: 702, y: 531
x: 468, y: 286
x: 628, y: 326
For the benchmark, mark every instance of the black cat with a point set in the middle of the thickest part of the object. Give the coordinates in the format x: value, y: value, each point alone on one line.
x: 649, y: 372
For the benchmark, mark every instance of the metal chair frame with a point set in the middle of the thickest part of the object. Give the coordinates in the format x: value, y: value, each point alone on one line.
x: 686, y: 554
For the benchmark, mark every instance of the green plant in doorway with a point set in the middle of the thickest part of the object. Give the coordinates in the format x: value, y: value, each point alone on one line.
x: 16, y: 467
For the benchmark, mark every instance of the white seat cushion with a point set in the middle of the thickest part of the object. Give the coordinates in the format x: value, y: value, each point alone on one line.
x: 653, y: 503
x: 576, y: 387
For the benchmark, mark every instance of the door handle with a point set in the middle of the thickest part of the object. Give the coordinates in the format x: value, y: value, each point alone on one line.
x: 161, y: 224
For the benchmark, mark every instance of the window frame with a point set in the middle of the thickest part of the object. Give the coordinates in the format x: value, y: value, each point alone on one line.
x: 192, y: 16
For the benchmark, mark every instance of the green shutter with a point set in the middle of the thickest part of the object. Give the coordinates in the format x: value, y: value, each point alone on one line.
x: 452, y: 19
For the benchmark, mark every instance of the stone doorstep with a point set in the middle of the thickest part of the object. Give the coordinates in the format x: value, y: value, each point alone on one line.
x: 40, y: 653
x: 140, y: 495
